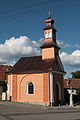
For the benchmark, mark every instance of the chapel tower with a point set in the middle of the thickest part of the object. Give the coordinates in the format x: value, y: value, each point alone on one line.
x: 49, y: 47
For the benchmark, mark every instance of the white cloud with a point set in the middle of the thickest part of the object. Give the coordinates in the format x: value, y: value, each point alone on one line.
x: 77, y: 45
x: 2, y: 60
x: 65, y: 45
x: 14, y: 48
x: 76, y: 53
x: 41, y: 41
x: 72, y: 60
x: 60, y: 43
x: 37, y: 51
x: 35, y: 43
x: 38, y: 43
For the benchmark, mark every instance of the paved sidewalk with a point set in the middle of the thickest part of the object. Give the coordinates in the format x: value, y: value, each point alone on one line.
x: 63, y: 108
x: 24, y: 111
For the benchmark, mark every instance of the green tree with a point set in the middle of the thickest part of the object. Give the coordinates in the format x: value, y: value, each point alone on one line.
x: 75, y: 74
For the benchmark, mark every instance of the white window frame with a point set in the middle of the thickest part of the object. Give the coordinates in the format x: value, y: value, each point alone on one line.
x: 28, y: 89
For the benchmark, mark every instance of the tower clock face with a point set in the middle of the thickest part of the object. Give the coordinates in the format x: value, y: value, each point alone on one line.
x: 48, y: 34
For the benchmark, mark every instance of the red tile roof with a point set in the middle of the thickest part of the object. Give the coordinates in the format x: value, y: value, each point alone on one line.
x: 34, y: 64
x: 74, y: 83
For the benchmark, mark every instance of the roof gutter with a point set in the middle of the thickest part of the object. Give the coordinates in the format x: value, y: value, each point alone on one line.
x: 59, y: 72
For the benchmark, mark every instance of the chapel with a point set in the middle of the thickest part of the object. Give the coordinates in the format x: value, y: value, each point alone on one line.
x: 39, y: 79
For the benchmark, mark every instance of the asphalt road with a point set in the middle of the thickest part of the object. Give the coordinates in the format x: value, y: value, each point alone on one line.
x: 20, y: 111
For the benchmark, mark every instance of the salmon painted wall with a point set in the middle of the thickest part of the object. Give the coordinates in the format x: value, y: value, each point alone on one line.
x: 41, y: 86
x: 14, y: 87
x: 9, y: 87
x: 19, y: 87
x: 46, y: 87
x: 48, y: 53
x: 23, y: 80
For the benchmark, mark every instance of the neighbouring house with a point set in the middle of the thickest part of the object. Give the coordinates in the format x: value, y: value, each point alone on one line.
x: 71, y: 83
x: 3, y: 78
x: 39, y: 79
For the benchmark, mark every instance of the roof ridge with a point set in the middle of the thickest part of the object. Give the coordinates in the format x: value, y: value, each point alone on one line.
x: 31, y: 56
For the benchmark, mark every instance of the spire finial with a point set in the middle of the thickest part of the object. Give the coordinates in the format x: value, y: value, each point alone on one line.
x: 49, y: 13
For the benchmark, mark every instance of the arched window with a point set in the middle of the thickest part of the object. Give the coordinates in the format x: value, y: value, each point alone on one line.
x: 30, y: 88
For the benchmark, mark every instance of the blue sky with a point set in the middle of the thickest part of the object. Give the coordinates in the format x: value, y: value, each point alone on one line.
x: 26, y: 18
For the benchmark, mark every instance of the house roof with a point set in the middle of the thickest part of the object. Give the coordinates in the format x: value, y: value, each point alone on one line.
x: 3, y: 70
x: 71, y: 83
x: 34, y: 64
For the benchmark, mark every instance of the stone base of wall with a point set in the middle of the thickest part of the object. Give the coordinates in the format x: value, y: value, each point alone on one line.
x: 35, y: 103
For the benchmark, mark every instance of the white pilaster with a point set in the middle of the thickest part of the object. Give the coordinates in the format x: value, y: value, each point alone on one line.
x: 51, y: 89
x: 11, y: 85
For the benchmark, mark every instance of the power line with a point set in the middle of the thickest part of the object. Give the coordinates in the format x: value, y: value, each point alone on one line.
x: 20, y: 11
x: 22, y: 7
x: 8, y: 18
